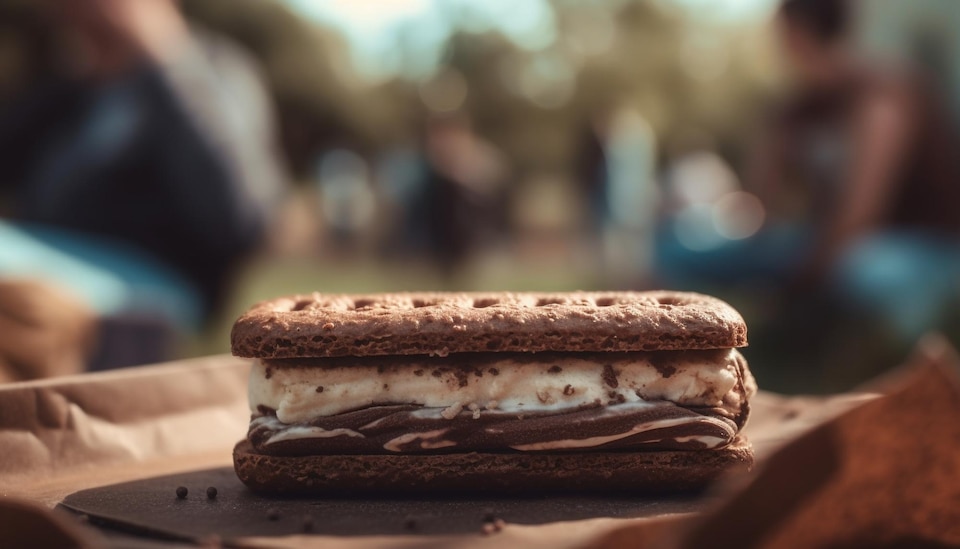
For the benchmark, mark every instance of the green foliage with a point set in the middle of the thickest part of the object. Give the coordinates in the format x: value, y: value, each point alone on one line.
x: 688, y: 74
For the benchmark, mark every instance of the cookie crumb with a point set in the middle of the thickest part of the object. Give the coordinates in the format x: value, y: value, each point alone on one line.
x: 492, y: 527
x: 555, y: 369
x: 615, y: 398
x: 569, y: 390
x: 493, y: 371
x: 452, y: 411
x: 182, y: 492
x: 418, y: 373
x: 475, y: 408
x: 328, y: 326
x: 212, y: 492
x: 319, y: 388
x: 609, y: 376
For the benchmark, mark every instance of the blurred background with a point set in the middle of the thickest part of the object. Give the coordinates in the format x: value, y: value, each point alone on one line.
x: 164, y: 164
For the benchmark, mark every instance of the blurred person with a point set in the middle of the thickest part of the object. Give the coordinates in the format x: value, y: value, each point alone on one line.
x: 400, y: 178
x: 591, y: 171
x: 616, y: 165
x: 632, y: 197
x: 465, y: 176
x: 148, y: 164
x: 858, y: 173
x: 346, y: 196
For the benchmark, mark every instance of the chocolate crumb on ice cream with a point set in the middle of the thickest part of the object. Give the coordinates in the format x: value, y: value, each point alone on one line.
x: 434, y: 392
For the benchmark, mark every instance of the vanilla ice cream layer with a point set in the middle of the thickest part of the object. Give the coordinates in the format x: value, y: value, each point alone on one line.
x: 303, y: 390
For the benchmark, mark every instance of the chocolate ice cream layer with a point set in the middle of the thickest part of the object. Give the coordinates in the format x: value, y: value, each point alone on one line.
x: 413, y: 429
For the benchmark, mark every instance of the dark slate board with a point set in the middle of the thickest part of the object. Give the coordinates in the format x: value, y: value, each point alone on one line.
x: 150, y: 507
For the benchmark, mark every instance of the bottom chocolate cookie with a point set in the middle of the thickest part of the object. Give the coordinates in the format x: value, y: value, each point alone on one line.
x: 621, y: 472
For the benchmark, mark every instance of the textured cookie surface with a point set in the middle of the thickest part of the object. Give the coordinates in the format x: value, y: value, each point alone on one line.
x: 321, y: 325
x: 491, y: 473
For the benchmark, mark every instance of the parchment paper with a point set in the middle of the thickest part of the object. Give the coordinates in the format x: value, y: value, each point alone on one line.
x: 69, y: 434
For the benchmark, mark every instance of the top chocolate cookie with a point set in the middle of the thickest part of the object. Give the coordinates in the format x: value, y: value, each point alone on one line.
x: 327, y: 325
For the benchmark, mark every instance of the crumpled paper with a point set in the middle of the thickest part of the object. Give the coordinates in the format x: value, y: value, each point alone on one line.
x: 884, y: 474
x: 840, y: 470
x: 62, y: 434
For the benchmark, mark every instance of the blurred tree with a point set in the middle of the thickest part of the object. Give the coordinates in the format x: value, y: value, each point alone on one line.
x: 687, y: 73
x: 321, y: 101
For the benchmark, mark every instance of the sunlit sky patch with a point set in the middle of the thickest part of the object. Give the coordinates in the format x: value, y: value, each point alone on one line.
x: 387, y: 37
x: 728, y: 9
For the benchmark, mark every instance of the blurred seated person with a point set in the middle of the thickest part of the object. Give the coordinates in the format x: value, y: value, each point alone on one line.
x: 141, y: 176
x: 858, y: 173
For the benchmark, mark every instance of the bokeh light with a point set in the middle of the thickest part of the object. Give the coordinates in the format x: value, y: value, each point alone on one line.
x: 445, y: 92
x: 738, y: 215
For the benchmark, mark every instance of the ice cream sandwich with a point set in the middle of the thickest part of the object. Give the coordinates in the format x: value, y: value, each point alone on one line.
x: 634, y: 392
